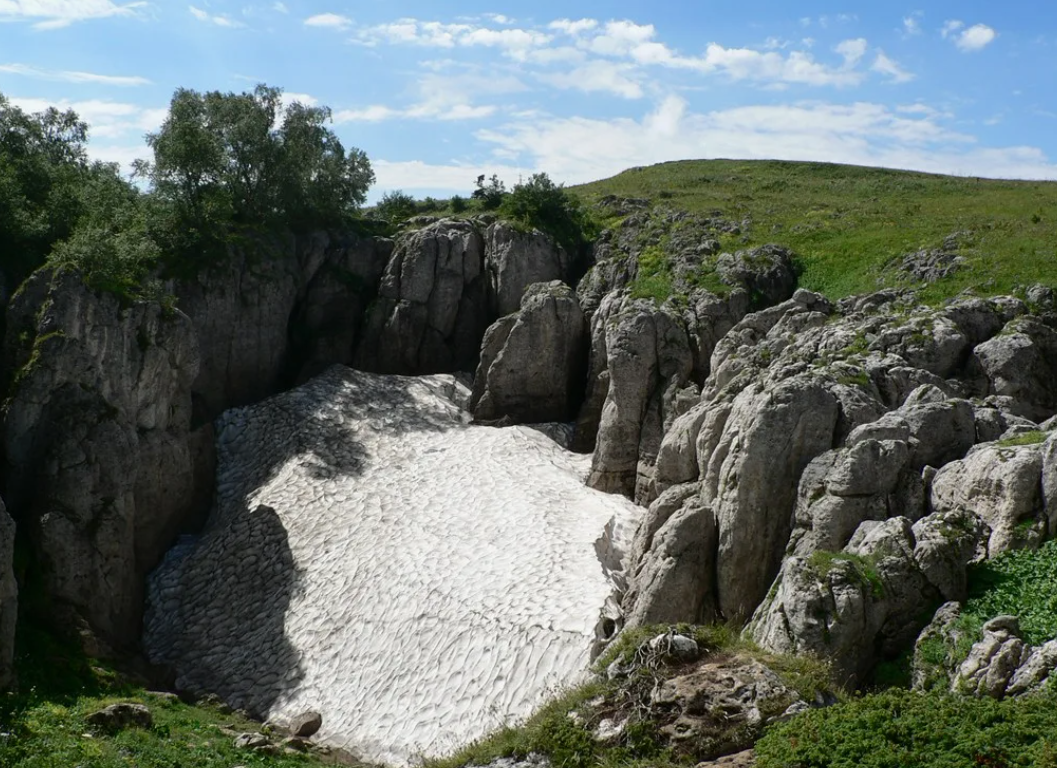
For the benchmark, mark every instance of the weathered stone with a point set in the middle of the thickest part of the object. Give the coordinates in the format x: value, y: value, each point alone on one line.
x: 251, y: 741
x: 306, y: 725
x: 993, y: 661
x: 531, y: 367
x: 1021, y: 363
x: 515, y: 260
x: 118, y: 717
x: 765, y: 272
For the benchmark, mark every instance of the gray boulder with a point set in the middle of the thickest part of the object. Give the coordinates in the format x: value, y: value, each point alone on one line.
x: 531, y: 361
x: 765, y: 273
x: 1003, y: 487
x: 993, y: 661
x: 8, y: 598
x: 1021, y: 363
x: 118, y: 717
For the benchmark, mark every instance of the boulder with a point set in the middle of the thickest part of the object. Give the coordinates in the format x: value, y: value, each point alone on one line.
x: 531, y: 368
x: 306, y: 725
x: 8, y: 598
x: 992, y: 661
x: 765, y: 273
x: 119, y: 717
x: 1002, y: 486
x: 1021, y: 363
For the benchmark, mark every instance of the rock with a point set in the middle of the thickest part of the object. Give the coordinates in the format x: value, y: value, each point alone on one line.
x: 765, y: 273
x: 306, y: 725
x: 993, y: 661
x: 934, y: 650
x: 531, y: 367
x: 941, y: 429
x: 251, y: 741
x: 746, y: 759
x: 1021, y: 364
x: 673, y: 562
x: 945, y: 544
x: 722, y: 706
x: 675, y: 646
x: 99, y: 467
x: 431, y: 311
x: 515, y: 260
x: 1002, y: 486
x: 1036, y: 668
x: 931, y: 265
x: 118, y: 717
x: 8, y: 598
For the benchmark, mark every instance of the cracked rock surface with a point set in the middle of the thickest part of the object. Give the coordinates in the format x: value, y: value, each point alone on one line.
x: 373, y: 557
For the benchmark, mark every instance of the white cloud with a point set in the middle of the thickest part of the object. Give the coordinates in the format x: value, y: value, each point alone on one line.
x: 72, y: 76
x: 950, y: 27
x: 891, y: 69
x: 579, y: 149
x: 852, y: 51
x: 514, y: 42
x: 218, y: 20
x: 280, y: 7
x: 574, y: 28
x: 332, y: 20
x: 54, y: 14
x: 911, y: 25
x: 106, y: 119
x: 975, y: 38
x: 441, y: 97
x: 598, y: 76
x: 619, y: 38
x: 454, y: 177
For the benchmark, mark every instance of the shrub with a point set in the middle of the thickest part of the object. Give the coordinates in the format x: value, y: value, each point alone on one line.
x: 458, y: 204
x: 489, y: 193
x: 542, y: 204
x: 395, y: 207
x: 1018, y: 583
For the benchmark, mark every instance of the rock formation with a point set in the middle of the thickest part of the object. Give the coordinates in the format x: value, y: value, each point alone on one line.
x: 8, y: 598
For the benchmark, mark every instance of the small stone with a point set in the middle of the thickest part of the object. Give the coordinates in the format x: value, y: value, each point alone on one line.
x: 306, y: 724
x: 250, y: 741
x: 295, y: 743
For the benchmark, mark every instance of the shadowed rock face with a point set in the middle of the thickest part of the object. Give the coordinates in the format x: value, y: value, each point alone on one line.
x: 8, y: 597
x: 373, y: 557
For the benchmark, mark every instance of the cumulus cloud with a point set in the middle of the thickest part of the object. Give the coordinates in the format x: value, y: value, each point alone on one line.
x: 444, y: 97
x: 975, y: 38
x: 68, y: 76
x: 598, y: 76
x: 852, y: 51
x: 54, y: 14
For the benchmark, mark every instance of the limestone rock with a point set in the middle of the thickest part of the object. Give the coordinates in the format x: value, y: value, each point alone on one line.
x: 8, y: 598
x: 98, y: 461
x: 765, y: 272
x: 118, y: 717
x: 1000, y: 485
x: 430, y: 313
x: 306, y: 725
x: 945, y: 544
x: 1020, y: 364
x: 515, y: 260
x: 531, y: 362
x: 993, y: 661
x: 251, y: 741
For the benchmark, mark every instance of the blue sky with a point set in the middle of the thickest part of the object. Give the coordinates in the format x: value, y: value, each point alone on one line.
x: 437, y: 93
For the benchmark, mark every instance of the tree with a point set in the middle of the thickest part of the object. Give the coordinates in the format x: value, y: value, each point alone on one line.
x: 230, y: 162
x: 395, y: 206
x: 490, y: 194
x: 541, y: 203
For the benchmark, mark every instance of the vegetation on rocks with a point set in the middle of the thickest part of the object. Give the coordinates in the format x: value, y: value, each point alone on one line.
x: 852, y: 226
x: 1018, y: 583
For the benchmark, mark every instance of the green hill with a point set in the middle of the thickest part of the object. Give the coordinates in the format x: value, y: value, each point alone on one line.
x: 852, y: 225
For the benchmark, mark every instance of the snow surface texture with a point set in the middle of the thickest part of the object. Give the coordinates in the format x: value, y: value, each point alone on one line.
x: 372, y: 556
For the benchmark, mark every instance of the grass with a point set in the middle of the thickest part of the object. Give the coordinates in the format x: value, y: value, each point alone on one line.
x: 1033, y: 437
x: 864, y: 569
x: 1018, y: 583
x: 898, y: 729
x: 562, y: 730
x: 42, y: 724
x: 850, y: 225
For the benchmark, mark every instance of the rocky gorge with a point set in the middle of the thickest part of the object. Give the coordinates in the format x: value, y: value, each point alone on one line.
x: 823, y: 473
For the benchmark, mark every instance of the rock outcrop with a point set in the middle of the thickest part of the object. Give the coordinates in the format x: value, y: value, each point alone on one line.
x: 514, y: 260
x: 8, y: 598
x: 97, y: 442
x: 532, y: 361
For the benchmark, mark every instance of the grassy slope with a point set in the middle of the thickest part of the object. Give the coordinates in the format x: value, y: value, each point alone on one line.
x: 848, y: 222
x: 42, y: 724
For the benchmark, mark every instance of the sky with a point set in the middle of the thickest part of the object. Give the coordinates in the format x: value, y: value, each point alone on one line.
x: 439, y: 93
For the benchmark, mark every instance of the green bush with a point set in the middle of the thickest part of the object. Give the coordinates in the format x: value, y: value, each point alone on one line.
x: 395, y: 207
x: 542, y: 204
x: 903, y: 729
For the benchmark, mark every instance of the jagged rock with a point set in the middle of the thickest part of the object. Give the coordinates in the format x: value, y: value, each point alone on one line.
x: 993, y: 661
x: 746, y: 759
x: 933, y: 663
x: 98, y: 462
x: 941, y: 429
x: 253, y: 741
x: 1036, y: 667
x: 1002, y: 486
x: 306, y: 725
x: 672, y: 561
x: 118, y: 717
x: 431, y: 310
x: 531, y: 368
x: 515, y: 260
x: 765, y: 273
x: 1021, y: 363
x: 721, y: 706
x: 8, y: 598
x: 931, y: 265
x: 945, y: 543
x: 647, y: 362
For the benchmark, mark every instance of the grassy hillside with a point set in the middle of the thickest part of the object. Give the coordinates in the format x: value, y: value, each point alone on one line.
x: 849, y: 223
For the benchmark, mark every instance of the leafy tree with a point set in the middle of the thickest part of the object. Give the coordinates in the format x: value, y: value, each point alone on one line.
x: 541, y: 203
x: 42, y: 168
x: 226, y: 163
x: 490, y: 193
x: 458, y: 204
